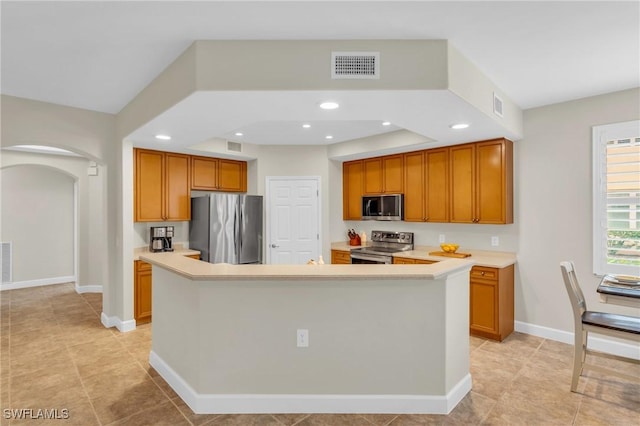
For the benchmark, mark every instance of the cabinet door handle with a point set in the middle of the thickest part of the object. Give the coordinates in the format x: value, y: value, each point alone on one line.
x: 274, y: 246
x: 482, y: 273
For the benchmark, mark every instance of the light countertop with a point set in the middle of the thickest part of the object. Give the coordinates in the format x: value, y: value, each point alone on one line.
x: 177, y: 249
x: 204, y: 271
x: 492, y: 259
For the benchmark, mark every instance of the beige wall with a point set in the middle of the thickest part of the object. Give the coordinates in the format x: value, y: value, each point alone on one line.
x: 92, y: 135
x: 554, y: 197
x: 287, y: 160
x: 38, y: 219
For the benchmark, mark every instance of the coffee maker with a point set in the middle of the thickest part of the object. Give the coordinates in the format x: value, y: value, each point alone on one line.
x: 160, y: 238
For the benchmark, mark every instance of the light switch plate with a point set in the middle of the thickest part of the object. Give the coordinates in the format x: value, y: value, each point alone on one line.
x: 441, y: 238
x: 495, y: 241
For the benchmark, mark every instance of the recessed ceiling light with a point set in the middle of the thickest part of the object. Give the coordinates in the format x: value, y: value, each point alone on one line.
x: 329, y: 105
x: 163, y: 137
x: 239, y: 133
x: 328, y: 137
x: 306, y: 126
x: 459, y: 126
x: 386, y: 123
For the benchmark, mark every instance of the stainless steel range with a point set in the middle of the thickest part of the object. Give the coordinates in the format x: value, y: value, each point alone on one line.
x: 383, y: 245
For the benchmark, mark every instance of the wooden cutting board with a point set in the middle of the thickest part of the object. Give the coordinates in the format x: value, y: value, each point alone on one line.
x: 444, y: 253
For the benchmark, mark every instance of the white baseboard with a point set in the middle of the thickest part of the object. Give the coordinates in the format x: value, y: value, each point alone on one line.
x: 122, y: 326
x: 309, y: 403
x: 80, y: 289
x: 595, y: 343
x: 36, y: 283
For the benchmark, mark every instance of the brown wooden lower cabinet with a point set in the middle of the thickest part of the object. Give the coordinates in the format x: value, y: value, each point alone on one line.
x: 340, y: 257
x: 491, y: 311
x: 142, y: 290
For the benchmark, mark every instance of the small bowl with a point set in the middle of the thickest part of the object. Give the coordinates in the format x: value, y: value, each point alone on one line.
x: 449, y: 248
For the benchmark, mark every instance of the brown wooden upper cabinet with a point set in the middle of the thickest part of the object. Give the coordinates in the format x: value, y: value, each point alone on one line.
x: 352, y: 185
x: 383, y: 175
x: 470, y: 183
x: 161, y: 186
x: 426, y: 186
x: 216, y: 174
x: 481, y: 176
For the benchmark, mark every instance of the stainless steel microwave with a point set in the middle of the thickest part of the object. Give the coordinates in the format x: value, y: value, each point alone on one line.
x: 383, y: 207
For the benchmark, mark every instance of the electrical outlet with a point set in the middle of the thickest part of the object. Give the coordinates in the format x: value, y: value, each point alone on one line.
x: 495, y: 241
x: 302, y: 337
x: 441, y: 238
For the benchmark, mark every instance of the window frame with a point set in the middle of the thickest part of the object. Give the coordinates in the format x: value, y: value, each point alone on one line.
x: 601, y: 135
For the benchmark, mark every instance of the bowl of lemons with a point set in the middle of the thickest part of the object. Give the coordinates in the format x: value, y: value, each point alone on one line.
x: 449, y: 248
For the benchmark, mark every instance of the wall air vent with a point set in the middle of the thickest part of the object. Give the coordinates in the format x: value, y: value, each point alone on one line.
x: 355, y: 65
x: 497, y: 105
x: 234, y: 146
x: 5, y: 262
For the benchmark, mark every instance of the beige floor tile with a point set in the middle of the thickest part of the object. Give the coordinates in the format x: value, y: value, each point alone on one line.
x: 55, y: 360
x: 164, y: 387
x: 515, y: 410
x: 165, y: 414
x: 194, y: 419
x: 128, y: 401
x: 614, y: 390
x: 492, y: 372
x: 116, y: 380
x: 379, y: 419
x: 418, y: 419
x: 594, y: 411
x: 245, y: 420
x: 290, y: 419
x: 516, y: 346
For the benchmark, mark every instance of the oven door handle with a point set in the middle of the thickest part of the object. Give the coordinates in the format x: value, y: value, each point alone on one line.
x: 371, y: 258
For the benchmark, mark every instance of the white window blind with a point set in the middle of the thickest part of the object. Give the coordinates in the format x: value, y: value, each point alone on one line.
x: 616, y: 198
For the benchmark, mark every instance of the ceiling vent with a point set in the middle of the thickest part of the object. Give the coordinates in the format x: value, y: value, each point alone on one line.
x: 355, y: 65
x: 234, y: 146
x: 497, y: 105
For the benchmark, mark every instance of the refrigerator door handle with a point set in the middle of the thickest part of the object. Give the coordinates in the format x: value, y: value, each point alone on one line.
x: 240, y: 228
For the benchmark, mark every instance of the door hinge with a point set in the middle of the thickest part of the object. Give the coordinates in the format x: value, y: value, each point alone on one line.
x: 317, y: 192
x: 318, y: 236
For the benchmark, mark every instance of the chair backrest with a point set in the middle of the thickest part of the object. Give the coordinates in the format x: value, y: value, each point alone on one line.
x: 573, y: 290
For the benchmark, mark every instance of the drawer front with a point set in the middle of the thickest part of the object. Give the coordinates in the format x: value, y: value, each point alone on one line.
x: 403, y: 261
x: 339, y: 256
x: 484, y: 273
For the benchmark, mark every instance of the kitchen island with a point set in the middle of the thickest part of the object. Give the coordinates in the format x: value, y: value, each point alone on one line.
x: 379, y: 338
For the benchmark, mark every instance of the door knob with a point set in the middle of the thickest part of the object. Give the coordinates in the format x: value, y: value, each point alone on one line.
x: 274, y: 246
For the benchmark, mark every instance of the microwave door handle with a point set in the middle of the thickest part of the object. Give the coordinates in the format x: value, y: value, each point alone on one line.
x: 368, y: 209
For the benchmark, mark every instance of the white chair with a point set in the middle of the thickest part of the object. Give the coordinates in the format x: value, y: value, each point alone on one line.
x: 620, y: 326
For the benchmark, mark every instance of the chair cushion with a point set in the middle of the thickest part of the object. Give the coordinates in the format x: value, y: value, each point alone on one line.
x: 623, y: 323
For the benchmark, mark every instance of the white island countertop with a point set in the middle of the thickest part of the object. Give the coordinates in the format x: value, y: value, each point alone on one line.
x: 492, y: 259
x: 203, y: 271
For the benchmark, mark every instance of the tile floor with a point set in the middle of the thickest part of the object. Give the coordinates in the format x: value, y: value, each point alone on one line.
x: 55, y: 354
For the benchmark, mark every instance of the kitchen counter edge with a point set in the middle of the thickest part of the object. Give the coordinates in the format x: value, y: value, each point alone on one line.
x: 203, y: 271
x: 491, y: 259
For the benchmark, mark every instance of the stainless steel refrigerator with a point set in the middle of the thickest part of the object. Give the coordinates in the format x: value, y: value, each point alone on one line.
x: 227, y: 228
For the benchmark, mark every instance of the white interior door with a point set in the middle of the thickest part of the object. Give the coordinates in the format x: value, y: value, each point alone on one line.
x: 293, y: 219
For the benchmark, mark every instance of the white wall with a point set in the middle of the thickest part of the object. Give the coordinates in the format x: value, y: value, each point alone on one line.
x: 554, y: 196
x: 38, y: 218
